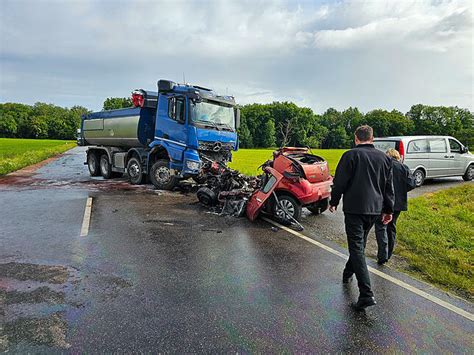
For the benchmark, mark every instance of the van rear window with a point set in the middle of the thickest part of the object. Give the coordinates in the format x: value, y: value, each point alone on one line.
x: 385, y: 145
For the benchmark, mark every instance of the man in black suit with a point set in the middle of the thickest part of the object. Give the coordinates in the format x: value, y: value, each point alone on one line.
x: 403, y: 182
x: 364, y: 177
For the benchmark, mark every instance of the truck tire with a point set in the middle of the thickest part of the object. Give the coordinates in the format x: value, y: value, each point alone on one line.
x: 93, y: 164
x: 105, y: 167
x: 468, y: 175
x: 292, y: 207
x: 419, y: 176
x: 161, y: 175
x: 135, y: 171
x: 318, y: 207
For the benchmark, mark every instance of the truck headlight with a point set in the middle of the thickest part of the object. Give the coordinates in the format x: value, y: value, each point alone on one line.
x: 193, y: 165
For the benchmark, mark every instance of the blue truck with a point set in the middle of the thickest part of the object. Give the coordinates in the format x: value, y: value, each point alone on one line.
x: 166, y: 136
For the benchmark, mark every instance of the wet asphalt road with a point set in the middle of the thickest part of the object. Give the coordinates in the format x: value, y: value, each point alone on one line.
x: 158, y: 273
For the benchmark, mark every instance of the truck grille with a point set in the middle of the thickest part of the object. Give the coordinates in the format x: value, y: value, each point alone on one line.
x: 214, y: 146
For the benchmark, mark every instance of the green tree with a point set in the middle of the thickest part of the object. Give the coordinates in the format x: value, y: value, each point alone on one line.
x: 114, y: 103
x: 8, y: 126
x: 268, y: 134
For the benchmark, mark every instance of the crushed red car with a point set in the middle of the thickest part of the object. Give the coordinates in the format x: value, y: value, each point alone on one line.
x: 294, y: 179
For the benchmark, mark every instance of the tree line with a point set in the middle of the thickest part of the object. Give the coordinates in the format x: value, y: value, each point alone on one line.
x: 263, y: 125
x: 284, y: 123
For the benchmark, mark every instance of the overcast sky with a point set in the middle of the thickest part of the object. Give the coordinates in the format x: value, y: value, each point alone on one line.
x: 320, y: 54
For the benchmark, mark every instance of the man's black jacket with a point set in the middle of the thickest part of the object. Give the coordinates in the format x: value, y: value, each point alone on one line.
x: 402, y: 183
x: 364, y: 177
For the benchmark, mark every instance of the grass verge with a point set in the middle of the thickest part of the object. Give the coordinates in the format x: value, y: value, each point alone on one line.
x: 247, y: 161
x: 436, y: 238
x: 18, y: 153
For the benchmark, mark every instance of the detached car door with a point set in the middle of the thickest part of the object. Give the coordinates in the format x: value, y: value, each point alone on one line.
x: 258, y: 198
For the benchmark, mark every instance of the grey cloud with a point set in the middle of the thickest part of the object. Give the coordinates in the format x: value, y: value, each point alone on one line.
x: 366, y: 54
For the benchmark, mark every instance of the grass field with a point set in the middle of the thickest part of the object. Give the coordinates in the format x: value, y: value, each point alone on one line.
x: 248, y: 160
x: 436, y: 238
x: 18, y: 153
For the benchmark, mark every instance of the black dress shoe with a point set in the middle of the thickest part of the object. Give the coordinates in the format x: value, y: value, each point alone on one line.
x: 364, y: 302
x: 381, y: 261
x: 346, y: 280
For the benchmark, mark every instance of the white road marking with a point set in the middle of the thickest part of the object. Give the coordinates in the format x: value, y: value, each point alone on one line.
x: 383, y: 275
x: 87, y: 218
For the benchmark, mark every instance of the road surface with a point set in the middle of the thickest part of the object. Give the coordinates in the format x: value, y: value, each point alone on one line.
x: 156, y: 273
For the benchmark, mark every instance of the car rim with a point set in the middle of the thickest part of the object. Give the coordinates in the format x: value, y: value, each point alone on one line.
x: 288, y: 207
x: 134, y: 170
x: 418, y: 177
x: 162, y: 175
x: 469, y: 173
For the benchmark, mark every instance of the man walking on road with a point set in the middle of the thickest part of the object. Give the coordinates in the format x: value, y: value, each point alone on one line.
x: 364, y: 177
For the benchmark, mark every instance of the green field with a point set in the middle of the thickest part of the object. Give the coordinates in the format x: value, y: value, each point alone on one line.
x: 18, y: 153
x: 436, y: 238
x: 247, y: 161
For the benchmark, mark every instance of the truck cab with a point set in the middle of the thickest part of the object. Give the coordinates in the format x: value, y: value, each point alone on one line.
x: 168, y: 135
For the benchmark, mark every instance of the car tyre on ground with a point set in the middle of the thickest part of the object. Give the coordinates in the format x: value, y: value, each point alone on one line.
x: 93, y: 164
x: 318, y: 207
x: 419, y: 176
x: 135, y: 171
x: 105, y: 167
x: 162, y: 176
x: 290, y: 204
x: 468, y: 175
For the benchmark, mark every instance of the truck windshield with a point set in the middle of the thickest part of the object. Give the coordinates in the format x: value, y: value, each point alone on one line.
x: 213, y: 114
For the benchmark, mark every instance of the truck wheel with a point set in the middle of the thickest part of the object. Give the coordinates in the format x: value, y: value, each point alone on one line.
x: 469, y: 173
x: 318, y: 207
x: 105, y: 167
x: 419, y: 177
x: 135, y: 171
x: 93, y: 164
x: 287, y: 205
x: 161, y: 175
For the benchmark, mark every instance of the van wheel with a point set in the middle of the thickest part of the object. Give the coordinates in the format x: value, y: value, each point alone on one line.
x: 93, y: 164
x: 105, y: 167
x: 469, y: 173
x: 135, y: 171
x: 287, y: 205
x: 162, y: 176
x: 419, y: 176
x: 318, y: 207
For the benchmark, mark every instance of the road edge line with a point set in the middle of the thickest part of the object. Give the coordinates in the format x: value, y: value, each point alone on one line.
x: 86, y: 220
x: 383, y: 275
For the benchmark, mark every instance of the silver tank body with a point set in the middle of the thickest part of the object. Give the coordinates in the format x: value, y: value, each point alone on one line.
x: 116, y: 131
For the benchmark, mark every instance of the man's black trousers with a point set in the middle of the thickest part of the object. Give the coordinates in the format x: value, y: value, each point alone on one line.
x: 357, y: 230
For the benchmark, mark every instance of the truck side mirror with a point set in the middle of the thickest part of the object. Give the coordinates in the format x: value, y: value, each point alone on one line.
x: 237, y: 118
x: 465, y: 149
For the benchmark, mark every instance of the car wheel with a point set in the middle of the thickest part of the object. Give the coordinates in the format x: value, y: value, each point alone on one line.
x: 469, y: 173
x: 161, y: 176
x: 287, y: 205
x: 93, y: 164
x: 419, y: 176
x: 135, y: 171
x: 318, y: 207
x: 105, y: 167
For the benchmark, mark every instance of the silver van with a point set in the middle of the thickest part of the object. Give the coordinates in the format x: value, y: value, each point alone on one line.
x: 431, y: 156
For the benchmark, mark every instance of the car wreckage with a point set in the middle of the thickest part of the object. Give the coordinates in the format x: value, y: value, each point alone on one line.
x: 293, y: 179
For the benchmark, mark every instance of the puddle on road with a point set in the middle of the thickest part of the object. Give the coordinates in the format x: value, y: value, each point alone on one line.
x: 34, y: 272
x: 49, y: 330
x: 39, y: 295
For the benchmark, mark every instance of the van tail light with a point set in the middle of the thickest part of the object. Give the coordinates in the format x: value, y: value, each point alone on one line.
x: 138, y: 99
x: 401, y: 150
